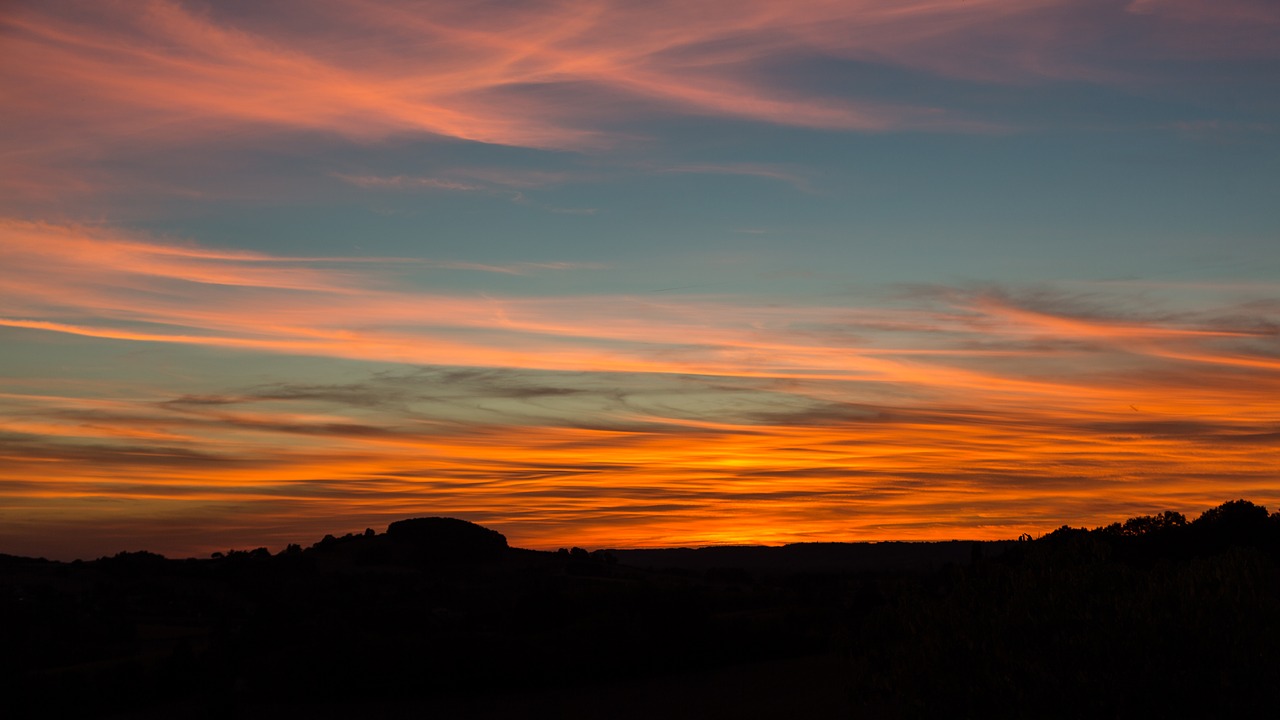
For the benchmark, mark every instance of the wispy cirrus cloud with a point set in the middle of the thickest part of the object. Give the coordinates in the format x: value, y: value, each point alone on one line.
x: 569, y: 75
x: 937, y: 412
x: 90, y: 263
x: 1234, y: 28
x: 793, y: 177
x: 619, y: 460
x: 101, y: 282
x: 510, y: 184
x: 406, y: 182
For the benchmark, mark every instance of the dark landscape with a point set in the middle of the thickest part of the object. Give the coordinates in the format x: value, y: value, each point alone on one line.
x: 564, y: 317
x: 439, y: 617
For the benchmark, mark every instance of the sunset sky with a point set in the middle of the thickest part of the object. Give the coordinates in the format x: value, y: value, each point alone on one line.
x: 622, y: 274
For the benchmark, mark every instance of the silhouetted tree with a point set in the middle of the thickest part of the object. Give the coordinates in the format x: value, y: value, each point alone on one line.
x: 1234, y: 512
x: 1232, y: 523
x: 1148, y: 524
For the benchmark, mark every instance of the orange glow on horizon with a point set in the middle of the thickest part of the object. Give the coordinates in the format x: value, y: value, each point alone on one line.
x: 632, y: 274
x: 571, y: 422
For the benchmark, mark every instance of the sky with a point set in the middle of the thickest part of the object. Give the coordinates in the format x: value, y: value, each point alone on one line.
x: 613, y: 273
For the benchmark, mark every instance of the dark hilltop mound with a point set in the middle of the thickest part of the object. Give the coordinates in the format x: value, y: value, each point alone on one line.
x: 440, y: 617
x: 442, y: 537
x: 428, y: 542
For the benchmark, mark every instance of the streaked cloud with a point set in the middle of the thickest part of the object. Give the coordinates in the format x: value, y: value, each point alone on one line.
x: 593, y: 306
x: 565, y: 75
x: 403, y: 182
x: 504, y: 183
x: 933, y: 412
x: 99, y: 282
x: 789, y: 176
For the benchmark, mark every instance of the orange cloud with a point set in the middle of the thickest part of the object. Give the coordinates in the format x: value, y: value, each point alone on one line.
x: 621, y: 420
x: 102, y: 283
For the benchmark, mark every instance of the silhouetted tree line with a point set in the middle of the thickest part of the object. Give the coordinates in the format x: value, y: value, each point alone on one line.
x: 1151, y: 617
x: 1154, y: 615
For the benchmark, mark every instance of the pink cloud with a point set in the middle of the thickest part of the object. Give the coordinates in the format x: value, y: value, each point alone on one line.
x: 86, y: 85
x: 403, y: 182
x: 367, y: 70
x: 106, y: 283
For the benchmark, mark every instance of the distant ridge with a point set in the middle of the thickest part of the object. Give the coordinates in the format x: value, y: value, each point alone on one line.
x: 1157, y: 615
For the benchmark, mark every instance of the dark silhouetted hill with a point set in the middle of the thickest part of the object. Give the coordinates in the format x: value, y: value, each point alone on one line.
x: 436, y: 616
x: 448, y: 539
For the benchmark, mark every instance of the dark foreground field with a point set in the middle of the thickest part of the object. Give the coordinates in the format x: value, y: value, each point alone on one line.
x: 439, y: 618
